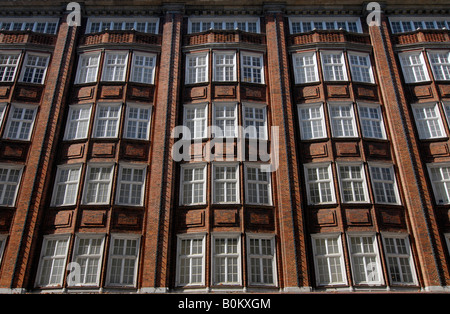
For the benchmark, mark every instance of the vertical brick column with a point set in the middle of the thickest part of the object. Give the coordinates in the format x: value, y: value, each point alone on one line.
x: 431, y: 266
x: 294, y: 272
x: 154, y: 268
x: 21, y: 250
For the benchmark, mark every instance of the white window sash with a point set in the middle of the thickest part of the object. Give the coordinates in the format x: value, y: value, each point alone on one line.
x: 77, y: 127
x: 226, y: 183
x: 197, y: 68
x: 254, y: 126
x: 305, y: 71
x: 322, y: 184
x: 261, y: 265
x: 311, y: 121
x: 342, y: 125
x: 384, y: 188
x: 371, y: 120
x: 188, y: 187
x: 87, y: 70
x: 428, y: 120
x: 198, y: 125
x: 88, y: 260
x: 8, y: 69
x: 225, y: 126
x: 138, y: 127
x: 226, y: 260
x: 306, y: 24
x: 188, y: 262
x: 55, y: 262
x: 101, y: 183
x: 120, y: 263
x: 439, y: 174
x: 20, y: 127
x: 413, y: 72
x: 34, y: 72
x: 143, y: 73
x: 353, y: 186
x: 399, y: 271
x: 115, y: 66
x: 128, y: 189
x: 61, y: 188
x: 107, y: 126
x: 327, y: 262
x: 260, y: 186
x: 144, y: 25
x: 333, y: 70
x: 9, y: 186
x: 252, y: 73
x: 360, y: 72
x: 224, y: 71
x: 440, y: 64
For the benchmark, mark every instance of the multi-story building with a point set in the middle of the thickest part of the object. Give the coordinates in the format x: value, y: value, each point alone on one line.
x: 315, y: 153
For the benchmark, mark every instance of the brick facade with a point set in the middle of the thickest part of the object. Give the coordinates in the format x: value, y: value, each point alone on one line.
x: 358, y: 203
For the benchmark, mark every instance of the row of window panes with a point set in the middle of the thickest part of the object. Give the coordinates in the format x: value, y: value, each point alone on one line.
x: 107, y: 120
x: 39, y: 27
x: 98, y: 184
x: 99, y: 25
x: 34, y: 66
x: 307, y: 25
x: 225, y: 120
x: 88, y: 254
x: 196, y: 25
x: 115, y: 67
x: 352, y: 183
x: 20, y: 121
x: 412, y: 25
x: 10, y: 177
x: 415, y: 69
x: 365, y: 259
x: 439, y: 174
x: 224, y: 67
x: 342, y: 119
x: 226, y: 264
x: 333, y: 66
x: 225, y: 184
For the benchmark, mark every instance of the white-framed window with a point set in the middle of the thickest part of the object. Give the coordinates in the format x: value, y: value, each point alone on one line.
x: 196, y: 68
x: 143, y: 68
x: 399, y: 260
x: 412, y: 23
x: 88, y: 253
x: 440, y: 181
x: 107, y: 119
x: 143, y: 25
x: 254, y: 117
x: 2, y: 112
x: 413, y: 66
x: 371, y: 120
x: 312, y: 121
x: 226, y: 259
x: 10, y: 176
x: 447, y: 240
x: 87, y: 70
x: 67, y: 181
x: 115, y: 66
x: 307, y: 24
x: 428, y: 120
x: 131, y: 184
x: 9, y: 61
x: 384, y: 183
x: 123, y: 260
x: 333, y: 66
x: 137, y: 121
x: 365, y: 259
x: 195, y: 118
x: 202, y: 24
x: 446, y: 106
x: 225, y: 119
x: 342, y: 118
x: 52, y: 262
x: 97, y: 187
x: 319, y: 183
x: 305, y: 67
x: 193, y: 184
x: 47, y: 25
x: 77, y: 122
x: 258, y: 186
x: 328, y: 259
x: 360, y: 67
x: 440, y: 64
x: 34, y: 68
x: 190, y: 259
x: 224, y: 66
x: 352, y: 182
x: 261, y: 259
x: 252, y: 67
x: 225, y: 178
x: 20, y: 122
x: 3, y: 239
